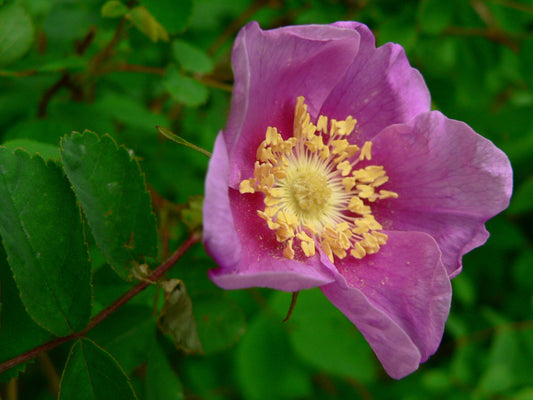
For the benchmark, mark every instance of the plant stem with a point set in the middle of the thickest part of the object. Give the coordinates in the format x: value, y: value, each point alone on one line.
x: 154, y: 276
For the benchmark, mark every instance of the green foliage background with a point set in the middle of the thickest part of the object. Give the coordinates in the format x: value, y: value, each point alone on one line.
x: 123, y: 68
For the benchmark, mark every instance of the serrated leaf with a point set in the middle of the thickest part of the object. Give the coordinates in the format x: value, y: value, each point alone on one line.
x: 18, y: 332
x: 191, y: 58
x: 114, y: 9
x: 43, y: 236
x: 147, y: 24
x: 177, y: 319
x: 184, y: 89
x: 162, y: 383
x: 16, y: 33
x: 92, y: 374
x: 220, y: 322
x: 313, y: 324
x: 47, y: 151
x: 110, y: 187
x: 173, y: 15
x: 128, y: 335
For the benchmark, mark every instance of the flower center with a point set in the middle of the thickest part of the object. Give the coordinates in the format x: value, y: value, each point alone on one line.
x: 307, y: 192
x: 314, y: 194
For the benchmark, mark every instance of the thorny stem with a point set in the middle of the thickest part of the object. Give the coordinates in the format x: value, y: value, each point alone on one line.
x: 154, y: 276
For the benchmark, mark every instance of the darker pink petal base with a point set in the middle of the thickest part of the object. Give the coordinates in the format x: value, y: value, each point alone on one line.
x: 450, y: 181
x: 398, y: 298
x: 231, y: 224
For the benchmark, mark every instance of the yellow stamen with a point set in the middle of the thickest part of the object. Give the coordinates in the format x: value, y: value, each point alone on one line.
x: 247, y: 186
x: 314, y: 194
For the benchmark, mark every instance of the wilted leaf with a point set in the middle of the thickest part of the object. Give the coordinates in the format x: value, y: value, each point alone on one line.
x: 177, y: 318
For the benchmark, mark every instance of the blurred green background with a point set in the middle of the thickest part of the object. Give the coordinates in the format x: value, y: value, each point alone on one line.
x: 124, y: 68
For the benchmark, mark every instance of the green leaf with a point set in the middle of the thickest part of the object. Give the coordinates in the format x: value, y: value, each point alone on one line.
x: 510, y: 361
x: 125, y: 110
x: 71, y: 63
x: 191, y: 58
x: 325, y: 338
x: 266, y: 366
x: 16, y: 33
x: 43, y: 237
x: 92, y: 374
x: 173, y: 15
x: 522, y: 270
x: 18, y: 332
x: 220, y: 322
x: 526, y: 59
x: 114, y: 9
x: 147, y: 24
x: 110, y: 187
x: 128, y: 335
x: 521, y: 201
x: 435, y: 15
x: 47, y: 151
x: 162, y: 383
x: 184, y: 89
x: 48, y: 130
x: 524, y: 394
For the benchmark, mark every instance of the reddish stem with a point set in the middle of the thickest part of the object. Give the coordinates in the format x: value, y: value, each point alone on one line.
x: 154, y: 276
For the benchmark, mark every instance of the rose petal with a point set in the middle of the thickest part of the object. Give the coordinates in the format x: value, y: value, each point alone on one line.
x: 219, y: 235
x: 272, y: 68
x: 399, y: 298
x: 380, y: 88
x: 450, y: 181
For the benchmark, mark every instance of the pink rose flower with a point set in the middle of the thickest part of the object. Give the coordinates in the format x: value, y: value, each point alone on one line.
x: 332, y: 172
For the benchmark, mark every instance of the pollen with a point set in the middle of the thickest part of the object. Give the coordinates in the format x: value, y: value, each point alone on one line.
x: 316, y: 192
